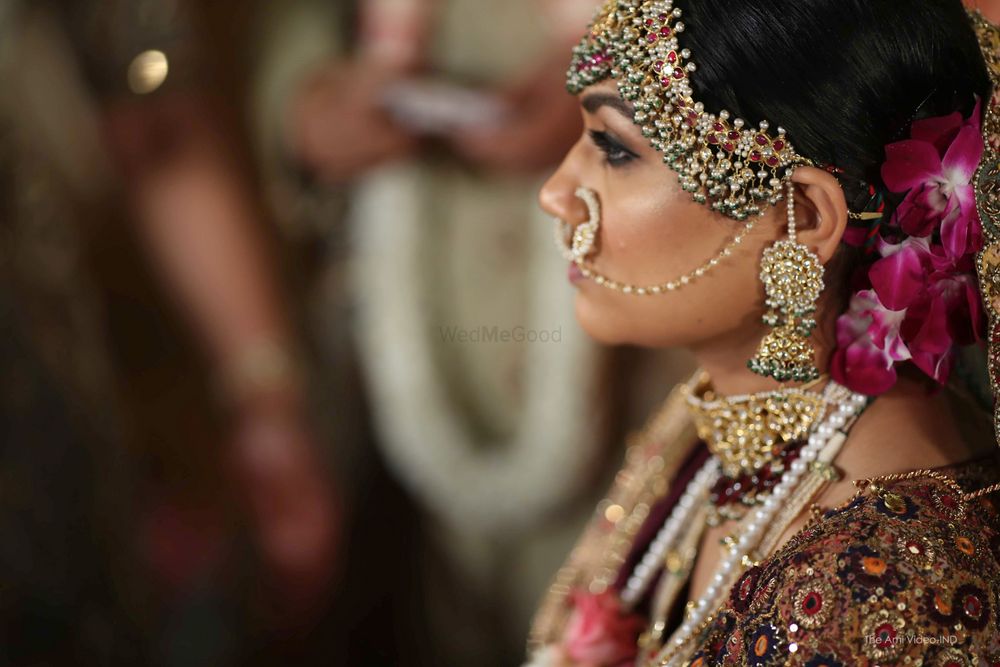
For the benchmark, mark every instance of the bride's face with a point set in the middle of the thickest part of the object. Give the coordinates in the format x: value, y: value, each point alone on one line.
x: 653, y: 232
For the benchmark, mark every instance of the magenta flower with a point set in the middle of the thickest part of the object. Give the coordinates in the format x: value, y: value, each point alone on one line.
x: 922, y: 301
x: 935, y: 168
x: 869, y: 343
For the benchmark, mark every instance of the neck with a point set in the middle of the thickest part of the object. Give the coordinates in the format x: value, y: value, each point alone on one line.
x: 725, y: 360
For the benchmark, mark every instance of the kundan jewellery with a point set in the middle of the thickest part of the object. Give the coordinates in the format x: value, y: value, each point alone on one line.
x: 793, y: 280
x: 761, y: 526
x: 673, y: 549
x: 720, y: 160
x: 746, y: 432
x: 756, y: 437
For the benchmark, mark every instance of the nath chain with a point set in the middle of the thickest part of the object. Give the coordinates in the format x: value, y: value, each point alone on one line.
x: 576, y: 244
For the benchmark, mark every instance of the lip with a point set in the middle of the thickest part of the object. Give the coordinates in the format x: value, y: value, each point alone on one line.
x: 574, y: 274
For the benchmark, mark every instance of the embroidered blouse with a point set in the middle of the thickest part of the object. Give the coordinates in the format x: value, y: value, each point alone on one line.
x: 906, y: 573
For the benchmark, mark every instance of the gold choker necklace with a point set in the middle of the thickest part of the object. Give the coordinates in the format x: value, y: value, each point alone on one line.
x: 747, y: 432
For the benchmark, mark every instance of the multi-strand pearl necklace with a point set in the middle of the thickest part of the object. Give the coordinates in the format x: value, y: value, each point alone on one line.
x: 743, y: 549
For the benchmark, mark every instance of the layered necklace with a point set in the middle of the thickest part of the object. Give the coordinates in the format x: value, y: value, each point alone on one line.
x: 774, y: 452
x: 755, y: 438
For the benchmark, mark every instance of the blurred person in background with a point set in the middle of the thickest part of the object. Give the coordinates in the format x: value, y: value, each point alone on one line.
x: 156, y: 398
x: 433, y: 123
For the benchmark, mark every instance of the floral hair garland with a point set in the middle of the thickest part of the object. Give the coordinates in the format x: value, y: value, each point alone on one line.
x: 919, y: 299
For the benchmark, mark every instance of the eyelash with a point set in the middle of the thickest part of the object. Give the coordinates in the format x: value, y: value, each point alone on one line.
x: 615, y: 154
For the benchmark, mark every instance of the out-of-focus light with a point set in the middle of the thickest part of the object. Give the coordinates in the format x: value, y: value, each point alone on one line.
x: 147, y: 71
x: 614, y: 514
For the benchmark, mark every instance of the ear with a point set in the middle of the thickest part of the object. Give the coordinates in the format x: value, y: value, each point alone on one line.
x: 820, y: 211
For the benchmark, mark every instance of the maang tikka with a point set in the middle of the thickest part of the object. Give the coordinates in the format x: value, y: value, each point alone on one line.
x: 793, y: 281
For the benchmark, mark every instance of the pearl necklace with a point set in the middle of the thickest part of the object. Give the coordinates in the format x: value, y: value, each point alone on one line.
x: 695, y: 494
x: 743, y: 551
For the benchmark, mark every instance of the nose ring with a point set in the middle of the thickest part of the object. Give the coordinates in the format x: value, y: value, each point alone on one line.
x: 581, y: 244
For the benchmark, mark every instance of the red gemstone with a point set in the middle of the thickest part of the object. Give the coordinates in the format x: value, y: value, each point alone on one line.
x: 713, y: 138
x: 813, y: 603
x: 665, y: 81
x: 663, y: 17
x: 664, y: 32
x: 672, y: 56
x: 778, y: 144
x: 973, y: 607
x: 772, y: 161
x: 885, y: 635
x: 658, y: 65
x: 729, y: 146
x: 678, y: 73
x: 755, y: 156
x: 734, y: 135
x: 761, y: 140
x: 651, y: 37
x: 719, y: 127
x: 650, y: 22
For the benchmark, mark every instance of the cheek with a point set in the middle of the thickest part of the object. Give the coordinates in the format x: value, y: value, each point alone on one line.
x: 648, y: 242
x: 726, y: 302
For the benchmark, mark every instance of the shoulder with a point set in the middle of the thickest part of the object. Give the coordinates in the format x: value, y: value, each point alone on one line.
x: 906, y: 570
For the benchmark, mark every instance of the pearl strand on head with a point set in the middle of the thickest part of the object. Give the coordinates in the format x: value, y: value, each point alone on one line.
x: 752, y: 533
x: 695, y: 495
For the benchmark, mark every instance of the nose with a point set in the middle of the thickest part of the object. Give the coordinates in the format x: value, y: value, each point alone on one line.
x: 557, y: 197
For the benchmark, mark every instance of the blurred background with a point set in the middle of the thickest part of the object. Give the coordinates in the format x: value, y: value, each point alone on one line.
x: 289, y: 368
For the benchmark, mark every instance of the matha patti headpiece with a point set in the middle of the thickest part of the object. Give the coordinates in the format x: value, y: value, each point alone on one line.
x: 721, y: 161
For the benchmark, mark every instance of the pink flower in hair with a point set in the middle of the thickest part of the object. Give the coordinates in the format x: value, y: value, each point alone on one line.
x: 922, y: 303
x: 922, y: 300
x: 935, y: 168
x: 869, y: 343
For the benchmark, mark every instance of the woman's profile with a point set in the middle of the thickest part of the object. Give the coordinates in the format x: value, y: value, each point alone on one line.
x: 804, y: 195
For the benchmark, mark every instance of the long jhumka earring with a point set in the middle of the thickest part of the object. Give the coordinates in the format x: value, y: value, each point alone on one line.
x: 793, y: 281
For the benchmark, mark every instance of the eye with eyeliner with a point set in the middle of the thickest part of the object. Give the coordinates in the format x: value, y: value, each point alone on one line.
x: 615, y: 153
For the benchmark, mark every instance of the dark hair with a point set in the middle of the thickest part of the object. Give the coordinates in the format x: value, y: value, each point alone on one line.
x: 844, y: 77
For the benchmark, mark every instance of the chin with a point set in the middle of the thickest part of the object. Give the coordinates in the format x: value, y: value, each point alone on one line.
x: 610, y: 326
x: 603, y: 329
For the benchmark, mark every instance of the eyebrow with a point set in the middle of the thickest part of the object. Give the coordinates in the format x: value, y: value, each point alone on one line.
x: 594, y: 101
